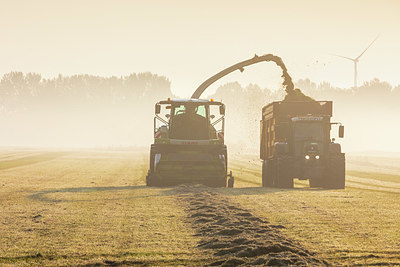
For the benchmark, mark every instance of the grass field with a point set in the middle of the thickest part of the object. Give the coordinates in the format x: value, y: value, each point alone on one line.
x: 92, y: 207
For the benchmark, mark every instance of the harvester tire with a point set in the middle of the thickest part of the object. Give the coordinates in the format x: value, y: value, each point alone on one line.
x: 267, y: 175
x: 217, y: 181
x: 149, y: 180
x: 335, y: 173
x: 149, y: 177
x: 283, y: 174
x: 316, y: 182
x: 224, y: 183
x: 152, y: 180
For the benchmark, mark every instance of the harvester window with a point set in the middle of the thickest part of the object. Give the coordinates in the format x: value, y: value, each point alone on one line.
x: 189, y: 122
x: 179, y: 110
x: 201, y: 110
x: 197, y: 110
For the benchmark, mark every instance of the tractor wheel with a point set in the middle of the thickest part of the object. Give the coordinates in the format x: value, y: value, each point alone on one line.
x: 316, y: 182
x: 267, y: 175
x: 283, y: 174
x: 335, y: 173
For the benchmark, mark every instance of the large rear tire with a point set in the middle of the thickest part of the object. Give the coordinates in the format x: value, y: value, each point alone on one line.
x: 267, y: 175
x: 316, y: 182
x: 151, y: 179
x: 335, y: 173
x: 219, y: 182
x: 283, y: 172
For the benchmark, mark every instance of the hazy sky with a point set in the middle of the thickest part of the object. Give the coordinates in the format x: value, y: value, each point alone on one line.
x: 188, y: 41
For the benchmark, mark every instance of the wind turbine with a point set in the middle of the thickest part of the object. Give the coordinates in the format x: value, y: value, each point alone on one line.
x: 355, y: 60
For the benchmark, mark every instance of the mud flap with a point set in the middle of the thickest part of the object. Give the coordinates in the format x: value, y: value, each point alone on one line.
x: 335, y: 172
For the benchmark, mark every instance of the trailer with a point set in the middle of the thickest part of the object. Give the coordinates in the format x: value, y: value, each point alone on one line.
x: 295, y: 142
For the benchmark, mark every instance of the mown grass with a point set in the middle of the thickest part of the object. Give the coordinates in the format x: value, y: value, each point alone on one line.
x: 351, y: 226
x: 90, y: 208
x: 375, y: 175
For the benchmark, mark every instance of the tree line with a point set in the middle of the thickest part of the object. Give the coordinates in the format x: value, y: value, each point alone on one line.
x: 22, y: 92
x: 19, y: 91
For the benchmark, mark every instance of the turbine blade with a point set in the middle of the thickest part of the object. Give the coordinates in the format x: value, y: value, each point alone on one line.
x: 367, y: 47
x: 352, y: 59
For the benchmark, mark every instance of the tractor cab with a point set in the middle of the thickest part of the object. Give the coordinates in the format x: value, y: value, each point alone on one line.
x: 311, y: 135
x: 191, y: 121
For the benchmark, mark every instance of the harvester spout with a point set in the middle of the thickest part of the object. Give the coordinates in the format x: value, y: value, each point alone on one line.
x: 288, y: 84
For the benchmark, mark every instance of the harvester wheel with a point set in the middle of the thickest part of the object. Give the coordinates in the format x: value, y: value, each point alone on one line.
x: 267, y: 175
x: 149, y: 177
x: 283, y: 175
x: 149, y: 180
x: 316, y: 182
x: 152, y: 180
x: 219, y: 181
x: 335, y: 173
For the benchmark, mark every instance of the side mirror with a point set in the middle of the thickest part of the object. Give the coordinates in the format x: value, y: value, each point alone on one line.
x: 341, y: 131
x: 222, y: 109
x: 212, y: 116
x: 167, y: 116
x: 282, y: 131
x: 158, y: 109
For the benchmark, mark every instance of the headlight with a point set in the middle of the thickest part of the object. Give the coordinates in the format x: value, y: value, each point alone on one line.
x: 317, y: 157
x: 307, y: 157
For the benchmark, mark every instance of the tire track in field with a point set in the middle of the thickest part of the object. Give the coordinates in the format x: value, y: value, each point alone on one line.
x: 17, y: 155
x: 372, y: 184
x: 253, y: 177
x: 233, y: 236
x: 29, y: 160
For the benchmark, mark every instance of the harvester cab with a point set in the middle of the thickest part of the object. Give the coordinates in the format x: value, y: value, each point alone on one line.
x: 190, y: 121
x: 189, y: 144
